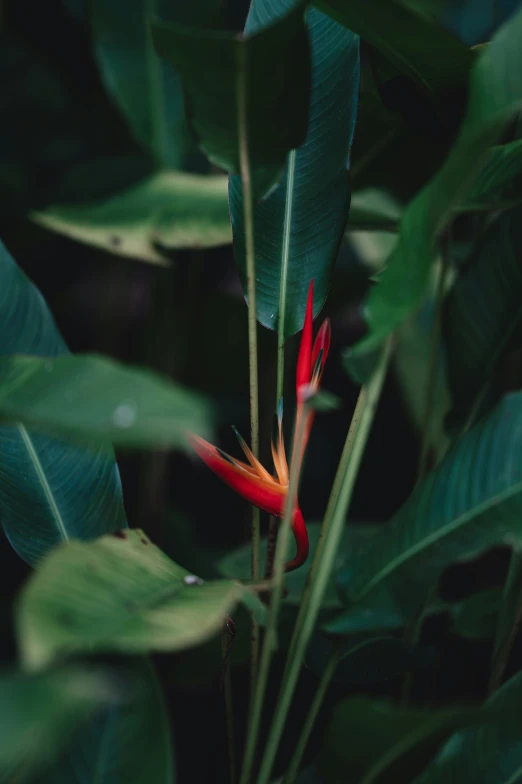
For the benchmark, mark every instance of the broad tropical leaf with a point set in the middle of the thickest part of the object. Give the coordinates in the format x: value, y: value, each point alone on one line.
x: 497, y: 184
x: 298, y: 227
x: 387, y: 742
x: 491, y: 752
x: 483, y: 312
x: 130, y: 742
x: 105, y: 401
x: 404, y: 32
x: 166, y: 211
x: 495, y: 98
x: 251, y: 89
x: 40, y: 713
x: 471, y: 502
x: 121, y: 594
x: 147, y: 90
x: 49, y: 490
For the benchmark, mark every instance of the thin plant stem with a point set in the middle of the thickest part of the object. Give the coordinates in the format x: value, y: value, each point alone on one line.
x: 434, y: 358
x: 248, y: 208
x: 357, y: 437
x: 269, y: 640
x: 311, y: 717
x: 229, y: 706
x: 271, y: 545
x: 507, y: 630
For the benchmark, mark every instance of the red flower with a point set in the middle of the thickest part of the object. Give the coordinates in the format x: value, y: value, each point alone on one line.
x: 251, y: 480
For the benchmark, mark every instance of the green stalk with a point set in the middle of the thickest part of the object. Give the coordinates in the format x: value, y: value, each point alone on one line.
x: 246, y: 180
x: 293, y: 768
x: 229, y: 709
x: 333, y: 527
x: 269, y: 641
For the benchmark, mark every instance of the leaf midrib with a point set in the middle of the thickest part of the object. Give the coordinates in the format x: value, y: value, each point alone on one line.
x: 440, y: 533
x: 285, y: 256
x: 40, y: 473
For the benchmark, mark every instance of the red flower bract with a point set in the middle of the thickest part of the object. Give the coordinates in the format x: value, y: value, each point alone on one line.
x: 251, y: 480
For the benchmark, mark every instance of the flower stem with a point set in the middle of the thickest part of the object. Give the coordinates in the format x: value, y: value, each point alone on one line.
x: 300, y: 749
x: 229, y: 709
x: 333, y: 526
x: 248, y: 208
x: 273, y: 613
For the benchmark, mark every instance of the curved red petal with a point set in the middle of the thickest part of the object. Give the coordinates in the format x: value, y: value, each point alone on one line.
x: 304, y: 359
x: 322, y: 341
x: 265, y: 494
x: 301, y: 540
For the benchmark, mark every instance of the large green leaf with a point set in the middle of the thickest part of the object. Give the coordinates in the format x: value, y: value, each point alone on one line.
x: 147, y: 90
x: 386, y: 742
x: 119, y: 593
x: 495, y: 97
x: 491, y: 752
x: 166, y: 211
x: 483, y: 312
x: 251, y: 89
x: 471, y: 502
x: 299, y: 226
x: 130, y: 743
x: 49, y: 490
x: 497, y: 184
x: 39, y: 714
x: 96, y: 399
x: 404, y: 32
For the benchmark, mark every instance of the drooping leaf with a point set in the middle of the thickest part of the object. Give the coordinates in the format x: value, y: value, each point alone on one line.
x: 490, y: 752
x: 495, y: 98
x: 130, y: 742
x: 404, y: 32
x: 497, y: 184
x: 119, y: 593
x: 237, y: 564
x: 469, y: 503
x: 166, y: 211
x: 270, y: 113
x: 387, y: 742
x: 95, y: 399
x: 40, y: 713
x: 49, y: 490
x: 298, y: 227
x: 373, y: 210
x: 147, y: 90
x: 476, y: 617
x: 483, y: 313
x: 368, y: 658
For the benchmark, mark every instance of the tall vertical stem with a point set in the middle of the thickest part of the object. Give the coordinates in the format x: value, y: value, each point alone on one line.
x: 229, y: 708
x: 246, y: 180
x: 334, y: 526
x: 275, y: 605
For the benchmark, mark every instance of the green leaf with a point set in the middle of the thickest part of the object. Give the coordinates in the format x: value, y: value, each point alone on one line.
x: 372, y: 209
x: 93, y: 398
x: 368, y: 658
x: 147, y: 90
x: 119, y: 593
x: 298, y: 227
x: 497, y: 184
x: 468, y: 504
x: 274, y: 66
x: 40, y: 714
x: 509, y: 614
x: 476, y: 617
x: 490, y: 752
x: 483, y: 313
x: 49, y: 490
x: 386, y: 742
x: 495, y: 98
x: 409, y: 39
x: 168, y: 210
x: 237, y: 564
x: 130, y: 743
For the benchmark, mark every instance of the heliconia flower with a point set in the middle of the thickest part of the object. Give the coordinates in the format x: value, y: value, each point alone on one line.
x: 251, y: 480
